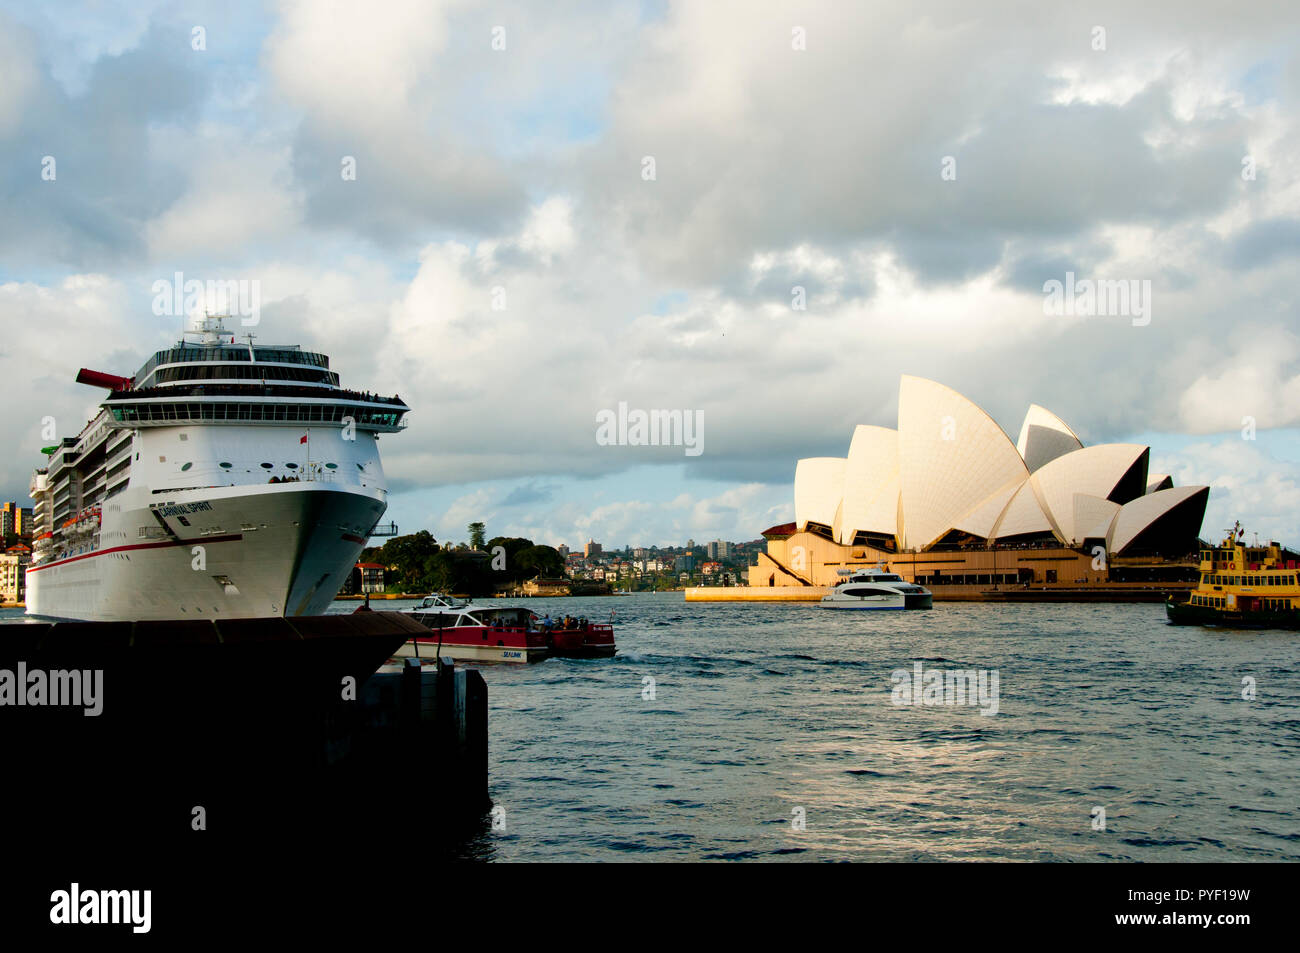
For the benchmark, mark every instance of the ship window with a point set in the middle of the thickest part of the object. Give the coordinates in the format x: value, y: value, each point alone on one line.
x: 292, y: 466
x: 224, y: 465
x: 331, y: 466
x: 186, y: 466
x: 266, y: 466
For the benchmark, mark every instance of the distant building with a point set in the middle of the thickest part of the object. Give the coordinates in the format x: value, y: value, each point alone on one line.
x: 13, y: 572
x: 948, y: 499
x: 15, y: 519
x: 372, y: 577
x: 719, y: 549
x: 539, y: 586
x: 562, y: 549
x: 591, y: 549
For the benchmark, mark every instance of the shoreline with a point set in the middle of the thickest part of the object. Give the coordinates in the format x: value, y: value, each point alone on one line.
x: 1121, y: 593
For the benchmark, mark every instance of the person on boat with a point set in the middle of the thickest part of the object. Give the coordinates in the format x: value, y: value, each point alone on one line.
x: 546, y: 621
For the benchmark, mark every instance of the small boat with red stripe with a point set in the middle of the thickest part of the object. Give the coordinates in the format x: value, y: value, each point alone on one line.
x: 463, y: 630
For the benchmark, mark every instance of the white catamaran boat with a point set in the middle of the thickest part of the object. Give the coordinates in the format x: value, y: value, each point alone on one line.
x: 223, y: 480
x: 876, y: 589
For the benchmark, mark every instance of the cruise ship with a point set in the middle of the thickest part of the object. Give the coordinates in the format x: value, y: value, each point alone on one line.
x: 224, y: 480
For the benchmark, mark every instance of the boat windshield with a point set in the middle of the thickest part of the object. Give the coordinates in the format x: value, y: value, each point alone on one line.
x: 505, y: 617
x: 442, y: 620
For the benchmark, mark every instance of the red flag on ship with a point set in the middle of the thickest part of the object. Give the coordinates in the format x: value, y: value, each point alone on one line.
x: 302, y: 439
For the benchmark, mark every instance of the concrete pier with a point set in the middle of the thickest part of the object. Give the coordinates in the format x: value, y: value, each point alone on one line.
x: 209, y: 731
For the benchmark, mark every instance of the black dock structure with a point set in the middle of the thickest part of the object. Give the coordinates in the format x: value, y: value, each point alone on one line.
x: 198, y: 733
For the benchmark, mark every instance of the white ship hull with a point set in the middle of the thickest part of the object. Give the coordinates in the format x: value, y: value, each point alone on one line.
x: 222, y: 481
x: 269, y: 550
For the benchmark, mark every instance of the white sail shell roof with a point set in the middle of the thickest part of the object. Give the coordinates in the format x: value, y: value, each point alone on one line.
x: 949, y: 466
x: 981, y: 520
x: 1093, y: 516
x: 1044, y: 437
x: 1022, y: 515
x: 1137, y: 515
x: 818, y: 490
x: 952, y: 457
x: 870, y: 484
x: 1159, y: 481
x: 1094, y: 471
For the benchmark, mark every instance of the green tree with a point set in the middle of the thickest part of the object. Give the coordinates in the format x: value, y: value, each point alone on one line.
x: 540, y: 561
x: 477, y: 533
x: 513, y: 546
x: 409, y: 555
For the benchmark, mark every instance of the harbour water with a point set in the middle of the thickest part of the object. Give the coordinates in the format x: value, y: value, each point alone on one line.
x: 762, y: 716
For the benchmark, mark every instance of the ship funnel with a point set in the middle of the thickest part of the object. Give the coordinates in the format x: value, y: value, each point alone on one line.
x: 100, y: 379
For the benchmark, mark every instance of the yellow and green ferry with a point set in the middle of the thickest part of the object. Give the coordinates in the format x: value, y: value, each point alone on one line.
x: 1242, y: 586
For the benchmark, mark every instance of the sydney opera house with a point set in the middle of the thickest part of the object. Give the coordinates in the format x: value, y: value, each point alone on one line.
x: 948, y: 500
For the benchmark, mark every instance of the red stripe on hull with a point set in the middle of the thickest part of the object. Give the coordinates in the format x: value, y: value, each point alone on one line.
x: 122, y: 549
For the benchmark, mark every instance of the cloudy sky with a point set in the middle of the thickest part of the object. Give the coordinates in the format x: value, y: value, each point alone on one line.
x: 919, y: 170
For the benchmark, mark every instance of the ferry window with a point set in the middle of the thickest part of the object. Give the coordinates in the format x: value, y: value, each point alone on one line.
x: 292, y: 466
x: 186, y: 466
x: 331, y: 466
x: 224, y: 465
x: 266, y: 466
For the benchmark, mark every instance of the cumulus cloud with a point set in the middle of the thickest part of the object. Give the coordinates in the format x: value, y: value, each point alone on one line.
x: 1254, y: 385
x: 500, y: 260
x: 1249, y: 480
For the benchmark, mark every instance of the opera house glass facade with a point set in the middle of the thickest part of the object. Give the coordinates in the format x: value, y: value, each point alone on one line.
x: 948, y: 499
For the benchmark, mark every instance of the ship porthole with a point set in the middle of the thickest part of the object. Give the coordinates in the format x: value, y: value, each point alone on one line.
x: 186, y: 466
x: 225, y: 466
x: 331, y: 466
x: 292, y: 466
x: 266, y: 466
